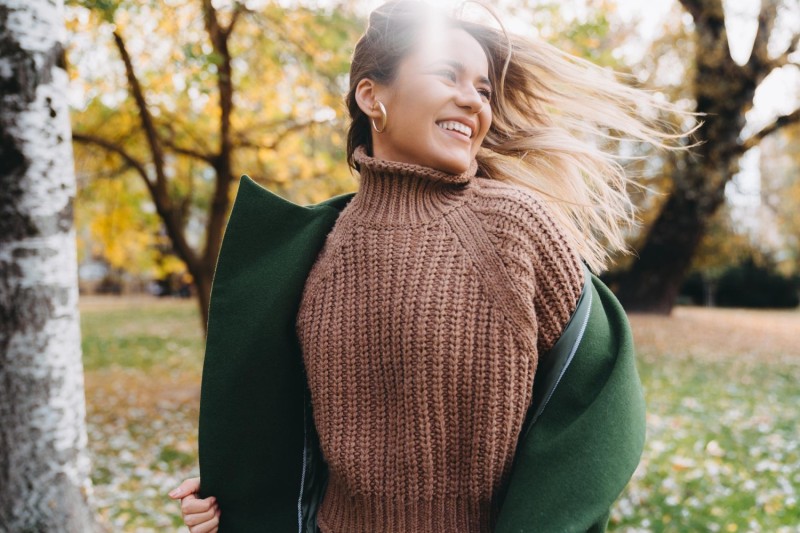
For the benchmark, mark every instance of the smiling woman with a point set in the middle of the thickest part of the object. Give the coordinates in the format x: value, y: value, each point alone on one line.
x: 439, y: 101
x: 462, y: 369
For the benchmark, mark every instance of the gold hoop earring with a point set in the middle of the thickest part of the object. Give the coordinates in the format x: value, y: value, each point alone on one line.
x: 383, y: 117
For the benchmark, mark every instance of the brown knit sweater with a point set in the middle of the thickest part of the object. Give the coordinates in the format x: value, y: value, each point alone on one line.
x: 420, y: 325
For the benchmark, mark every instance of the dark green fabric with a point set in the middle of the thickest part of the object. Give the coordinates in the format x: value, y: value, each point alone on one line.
x: 552, y: 365
x: 584, y: 448
x: 252, y: 394
x: 567, y: 472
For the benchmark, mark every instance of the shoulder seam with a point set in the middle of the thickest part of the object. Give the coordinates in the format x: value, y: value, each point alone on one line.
x: 472, y: 234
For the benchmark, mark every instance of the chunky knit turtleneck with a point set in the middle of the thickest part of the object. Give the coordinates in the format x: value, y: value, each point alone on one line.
x: 420, y: 324
x: 402, y: 194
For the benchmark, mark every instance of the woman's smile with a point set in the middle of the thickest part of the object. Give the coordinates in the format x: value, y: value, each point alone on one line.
x: 456, y: 127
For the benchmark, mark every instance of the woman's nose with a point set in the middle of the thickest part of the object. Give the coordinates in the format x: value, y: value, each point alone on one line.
x: 471, y: 98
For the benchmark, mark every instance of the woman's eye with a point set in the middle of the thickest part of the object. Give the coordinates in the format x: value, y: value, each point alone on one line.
x: 449, y: 73
x: 486, y: 92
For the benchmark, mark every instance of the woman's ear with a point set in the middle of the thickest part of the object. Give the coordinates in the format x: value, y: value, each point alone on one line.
x: 367, y: 96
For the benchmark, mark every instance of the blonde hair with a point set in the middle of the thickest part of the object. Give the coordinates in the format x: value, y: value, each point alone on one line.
x: 552, y: 113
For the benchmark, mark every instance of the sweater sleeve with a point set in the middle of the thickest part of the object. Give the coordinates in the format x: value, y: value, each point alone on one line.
x: 545, y: 271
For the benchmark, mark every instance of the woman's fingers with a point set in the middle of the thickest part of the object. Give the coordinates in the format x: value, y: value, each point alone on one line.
x: 189, y: 486
x: 192, y: 504
x: 212, y: 526
x: 201, y: 515
x: 199, y: 518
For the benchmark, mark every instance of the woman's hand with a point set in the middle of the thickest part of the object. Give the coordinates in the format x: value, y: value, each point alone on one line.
x: 199, y: 515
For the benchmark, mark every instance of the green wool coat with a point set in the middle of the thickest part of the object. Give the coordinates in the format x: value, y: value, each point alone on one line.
x: 259, y: 451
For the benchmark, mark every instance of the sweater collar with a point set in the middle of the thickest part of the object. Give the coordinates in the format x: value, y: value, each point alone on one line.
x: 370, y: 165
x: 394, y: 193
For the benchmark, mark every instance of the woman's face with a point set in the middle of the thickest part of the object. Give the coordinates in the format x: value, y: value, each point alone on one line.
x: 438, y: 105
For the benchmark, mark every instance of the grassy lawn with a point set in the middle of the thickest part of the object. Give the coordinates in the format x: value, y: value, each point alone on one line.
x: 143, y: 359
x: 722, y: 454
x: 722, y: 388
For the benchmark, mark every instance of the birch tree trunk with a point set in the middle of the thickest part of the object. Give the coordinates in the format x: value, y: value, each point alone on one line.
x: 44, y: 466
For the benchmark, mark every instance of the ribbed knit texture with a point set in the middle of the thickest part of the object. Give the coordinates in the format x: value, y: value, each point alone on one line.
x: 420, y: 325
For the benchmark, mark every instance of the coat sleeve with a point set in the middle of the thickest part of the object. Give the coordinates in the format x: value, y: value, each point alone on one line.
x: 575, y: 462
x: 252, y: 434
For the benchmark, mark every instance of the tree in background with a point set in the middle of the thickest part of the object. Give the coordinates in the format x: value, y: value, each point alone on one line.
x: 723, y: 90
x: 44, y: 468
x: 210, y: 93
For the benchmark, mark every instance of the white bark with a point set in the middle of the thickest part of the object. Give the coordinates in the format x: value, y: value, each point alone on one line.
x: 44, y: 465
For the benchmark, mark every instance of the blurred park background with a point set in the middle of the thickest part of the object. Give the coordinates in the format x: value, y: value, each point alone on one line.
x: 171, y: 101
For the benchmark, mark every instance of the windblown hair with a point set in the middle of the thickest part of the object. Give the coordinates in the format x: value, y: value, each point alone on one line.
x: 552, y: 115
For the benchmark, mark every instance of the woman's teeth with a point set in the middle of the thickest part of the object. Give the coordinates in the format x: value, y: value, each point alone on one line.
x: 455, y: 126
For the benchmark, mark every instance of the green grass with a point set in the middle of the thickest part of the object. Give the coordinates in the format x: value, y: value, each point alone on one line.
x: 722, y: 451
x: 722, y: 389
x: 143, y: 362
x: 145, y: 334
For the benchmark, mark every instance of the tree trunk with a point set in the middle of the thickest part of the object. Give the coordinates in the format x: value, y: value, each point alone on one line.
x: 44, y: 465
x: 724, y: 93
x: 653, y: 283
x: 202, y: 282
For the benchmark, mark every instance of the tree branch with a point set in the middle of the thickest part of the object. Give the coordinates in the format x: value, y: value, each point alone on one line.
x: 759, y: 57
x: 238, y: 9
x: 148, y: 125
x: 178, y: 241
x: 171, y: 120
x: 115, y: 149
x: 219, y: 41
x: 222, y: 162
x: 241, y: 140
x: 208, y: 158
x: 114, y: 172
x: 780, y: 122
x: 159, y: 192
x: 694, y: 8
x: 154, y: 140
